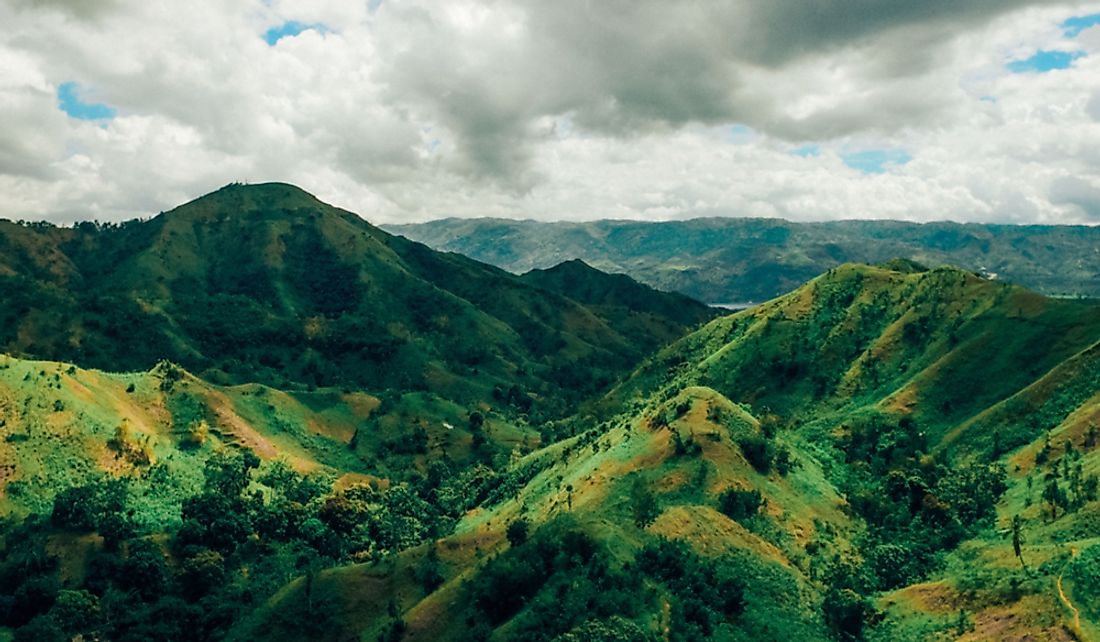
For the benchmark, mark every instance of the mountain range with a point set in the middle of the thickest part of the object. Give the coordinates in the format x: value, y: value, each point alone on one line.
x: 259, y: 416
x: 739, y: 260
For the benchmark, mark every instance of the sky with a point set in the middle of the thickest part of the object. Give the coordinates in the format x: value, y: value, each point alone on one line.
x: 408, y: 110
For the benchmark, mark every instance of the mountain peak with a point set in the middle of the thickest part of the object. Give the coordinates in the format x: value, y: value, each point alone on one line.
x: 240, y: 198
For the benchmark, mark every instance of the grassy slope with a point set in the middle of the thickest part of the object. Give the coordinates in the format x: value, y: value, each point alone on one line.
x: 991, y: 357
x: 588, y: 478
x: 59, y: 426
x: 996, y: 360
x: 941, y: 346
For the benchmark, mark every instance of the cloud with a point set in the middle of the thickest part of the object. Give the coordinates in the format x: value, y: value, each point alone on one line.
x: 81, y: 9
x: 412, y: 110
x: 1075, y: 191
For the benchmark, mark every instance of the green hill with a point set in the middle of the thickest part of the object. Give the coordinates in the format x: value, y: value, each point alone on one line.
x: 265, y: 283
x: 853, y: 453
x: 734, y: 260
x: 940, y: 347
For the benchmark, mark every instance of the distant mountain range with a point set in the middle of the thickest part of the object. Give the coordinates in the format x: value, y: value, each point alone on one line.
x: 732, y: 260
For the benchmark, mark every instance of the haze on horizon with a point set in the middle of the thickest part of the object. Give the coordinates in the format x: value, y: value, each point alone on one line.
x: 404, y: 111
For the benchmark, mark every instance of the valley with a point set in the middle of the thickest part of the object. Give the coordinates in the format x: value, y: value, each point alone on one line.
x: 259, y: 416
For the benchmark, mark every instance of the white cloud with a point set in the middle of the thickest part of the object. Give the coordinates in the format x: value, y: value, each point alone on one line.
x: 554, y: 110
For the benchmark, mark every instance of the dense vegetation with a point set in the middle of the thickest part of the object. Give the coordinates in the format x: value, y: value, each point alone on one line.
x: 248, y: 530
x: 264, y: 283
x: 887, y: 453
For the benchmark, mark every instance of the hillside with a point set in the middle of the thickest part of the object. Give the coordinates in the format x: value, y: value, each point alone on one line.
x: 635, y: 310
x: 885, y: 453
x: 854, y: 453
x: 940, y: 346
x: 264, y: 283
x: 63, y: 426
x: 730, y: 260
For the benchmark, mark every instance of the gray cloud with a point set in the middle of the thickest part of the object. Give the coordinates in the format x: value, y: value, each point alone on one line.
x: 625, y: 68
x: 775, y: 32
x: 83, y: 9
x: 1093, y: 106
x: 575, y: 108
x: 1071, y: 190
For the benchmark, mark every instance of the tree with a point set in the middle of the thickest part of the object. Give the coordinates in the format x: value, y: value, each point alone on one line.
x: 74, y: 508
x: 1052, y: 495
x: 643, y: 503
x: 41, y: 629
x: 1018, y: 540
x: 428, y: 572
x: 517, y: 531
x: 76, y: 612
x: 227, y: 472
x: 758, y: 451
x: 115, y: 528
x: 846, y: 612
x: 740, y: 504
x: 144, y: 570
x: 201, y: 573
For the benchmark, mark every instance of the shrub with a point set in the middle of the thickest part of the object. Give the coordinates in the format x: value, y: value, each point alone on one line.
x: 740, y: 504
x: 517, y: 532
x: 758, y: 451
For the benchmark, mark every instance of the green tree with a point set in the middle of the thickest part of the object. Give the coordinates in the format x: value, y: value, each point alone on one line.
x: 517, y: 531
x: 428, y: 572
x: 1018, y: 540
x: 740, y: 504
x: 76, y: 612
x: 1053, y: 496
x: 643, y: 503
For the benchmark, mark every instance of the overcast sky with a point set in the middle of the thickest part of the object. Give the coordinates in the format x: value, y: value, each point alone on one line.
x: 402, y: 110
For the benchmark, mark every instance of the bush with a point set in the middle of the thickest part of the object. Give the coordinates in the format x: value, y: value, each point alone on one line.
x: 643, y: 503
x: 517, y: 532
x: 740, y: 504
x: 758, y: 451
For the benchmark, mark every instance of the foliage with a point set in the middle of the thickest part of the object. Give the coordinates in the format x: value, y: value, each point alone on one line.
x: 643, y: 503
x: 705, y: 594
x: 740, y: 504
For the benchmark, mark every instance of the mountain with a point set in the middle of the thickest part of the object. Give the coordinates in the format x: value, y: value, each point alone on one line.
x: 265, y: 283
x: 635, y: 310
x: 733, y: 260
x: 940, y: 347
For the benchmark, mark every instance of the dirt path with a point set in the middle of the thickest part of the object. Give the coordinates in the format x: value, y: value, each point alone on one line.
x: 1065, y: 599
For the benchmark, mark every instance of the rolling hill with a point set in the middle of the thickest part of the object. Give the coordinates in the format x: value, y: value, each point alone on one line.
x: 733, y: 260
x: 855, y: 453
x: 885, y: 453
x: 264, y: 283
